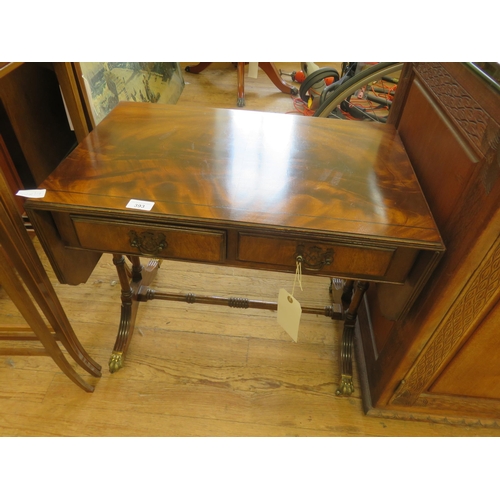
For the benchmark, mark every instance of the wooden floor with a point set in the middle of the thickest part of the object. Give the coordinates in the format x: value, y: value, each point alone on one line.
x: 196, y: 370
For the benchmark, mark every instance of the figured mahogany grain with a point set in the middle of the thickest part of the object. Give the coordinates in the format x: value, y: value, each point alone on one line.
x: 251, y: 168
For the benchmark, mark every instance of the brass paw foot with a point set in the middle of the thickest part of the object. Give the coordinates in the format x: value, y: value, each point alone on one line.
x: 115, y: 362
x: 346, y: 386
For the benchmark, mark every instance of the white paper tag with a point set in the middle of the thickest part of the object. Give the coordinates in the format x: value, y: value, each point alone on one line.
x: 32, y: 193
x: 140, y: 204
x: 289, y: 312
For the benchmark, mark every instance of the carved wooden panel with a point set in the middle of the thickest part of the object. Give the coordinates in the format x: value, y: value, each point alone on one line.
x: 471, y: 305
x: 479, y: 356
x: 460, y: 106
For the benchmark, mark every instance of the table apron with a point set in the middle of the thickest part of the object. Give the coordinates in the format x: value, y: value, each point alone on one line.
x: 321, y: 256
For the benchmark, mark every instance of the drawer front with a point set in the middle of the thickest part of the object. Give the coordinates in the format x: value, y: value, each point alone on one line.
x: 317, y: 257
x: 167, y: 242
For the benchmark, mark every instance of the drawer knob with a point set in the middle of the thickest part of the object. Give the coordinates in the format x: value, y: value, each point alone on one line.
x: 148, y: 242
x: 313, y: 258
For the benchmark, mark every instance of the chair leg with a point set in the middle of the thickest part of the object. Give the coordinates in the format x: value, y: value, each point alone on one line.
x: 24, y: 258
x: 241, y: 85
x: 18, y: 254
x: 23, y: 302
x: 272, y: 72
x: 268, y: 67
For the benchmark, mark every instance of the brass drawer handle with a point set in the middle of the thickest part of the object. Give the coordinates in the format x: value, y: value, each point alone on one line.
x: 148, y: 242
x: 313, y: 258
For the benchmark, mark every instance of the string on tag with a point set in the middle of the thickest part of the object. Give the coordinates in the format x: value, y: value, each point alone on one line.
x: 298, y: 275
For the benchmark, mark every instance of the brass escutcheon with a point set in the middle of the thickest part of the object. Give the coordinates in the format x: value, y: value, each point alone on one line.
x: 148, y: 242
x: 313, y: 258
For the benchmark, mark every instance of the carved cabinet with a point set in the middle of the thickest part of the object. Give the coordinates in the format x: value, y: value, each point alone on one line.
x: 440, y: 360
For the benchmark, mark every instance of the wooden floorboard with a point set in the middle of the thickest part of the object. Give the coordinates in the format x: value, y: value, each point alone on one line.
x: 196, y: 370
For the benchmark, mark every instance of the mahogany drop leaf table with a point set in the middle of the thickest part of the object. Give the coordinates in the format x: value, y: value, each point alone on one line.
x: 238, y: 188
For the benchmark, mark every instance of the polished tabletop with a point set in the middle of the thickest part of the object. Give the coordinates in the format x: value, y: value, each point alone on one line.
x: 248, y: 167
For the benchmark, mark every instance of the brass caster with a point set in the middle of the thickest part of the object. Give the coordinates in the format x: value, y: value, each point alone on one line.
x: 346, y: 386
x: 115, y: 362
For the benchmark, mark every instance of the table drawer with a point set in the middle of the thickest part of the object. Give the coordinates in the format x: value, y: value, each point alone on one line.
x: 158, y: 241
x: 318, y: 257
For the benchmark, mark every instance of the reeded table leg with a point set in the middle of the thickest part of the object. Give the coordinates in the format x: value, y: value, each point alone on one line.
x: 346, y: 387
x: 130, y: 282
x: 347, y: 293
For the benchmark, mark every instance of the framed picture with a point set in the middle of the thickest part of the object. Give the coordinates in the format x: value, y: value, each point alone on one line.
x: 107, y: 83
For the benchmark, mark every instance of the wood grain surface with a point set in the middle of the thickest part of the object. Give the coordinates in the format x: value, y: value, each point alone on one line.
x: 236, y: 166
